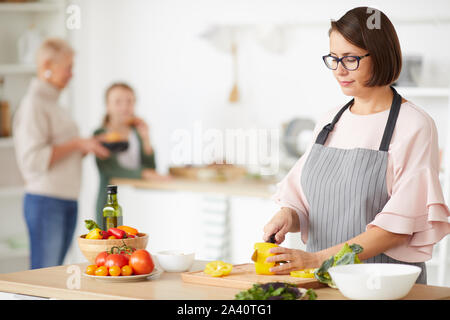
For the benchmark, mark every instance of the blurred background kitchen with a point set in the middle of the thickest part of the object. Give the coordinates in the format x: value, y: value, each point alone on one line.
x: 201, y: 69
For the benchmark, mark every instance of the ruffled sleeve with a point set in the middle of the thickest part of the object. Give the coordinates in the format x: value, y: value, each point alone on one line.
x: 416, y: 205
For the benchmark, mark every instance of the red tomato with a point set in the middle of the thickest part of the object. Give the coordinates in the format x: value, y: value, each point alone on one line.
x: 141, y: 261
x: 101, y: 258
x: 116, y: 260
x: 127, y: 256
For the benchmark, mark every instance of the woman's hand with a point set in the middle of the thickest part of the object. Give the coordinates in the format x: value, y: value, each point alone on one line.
x: 284, y: 221
x: 151, y: 174
x: 296, y: 260
x: 92, y: 145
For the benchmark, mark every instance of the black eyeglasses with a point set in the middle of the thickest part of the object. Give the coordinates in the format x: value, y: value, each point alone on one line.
x: 350, y: 63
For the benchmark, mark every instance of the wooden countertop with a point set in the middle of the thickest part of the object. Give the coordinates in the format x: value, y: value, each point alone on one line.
x: 55, y: 282
x: 242, y: 187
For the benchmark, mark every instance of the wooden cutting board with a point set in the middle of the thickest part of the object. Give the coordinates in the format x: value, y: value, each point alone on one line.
x: 243, y: 276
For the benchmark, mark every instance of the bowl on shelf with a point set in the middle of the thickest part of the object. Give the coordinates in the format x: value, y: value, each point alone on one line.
x: 375, y: 281
x: 92, y: 247
x: 175, y: 260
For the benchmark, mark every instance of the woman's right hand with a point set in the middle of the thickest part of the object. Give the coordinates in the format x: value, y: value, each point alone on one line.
x: 284, y: 221
x: 93, y: 145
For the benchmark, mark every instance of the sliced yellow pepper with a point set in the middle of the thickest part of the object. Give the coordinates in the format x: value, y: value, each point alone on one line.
x: 95, y: 234
x: 218, y: 268
x: 261, y: 266
x: 305, y: 273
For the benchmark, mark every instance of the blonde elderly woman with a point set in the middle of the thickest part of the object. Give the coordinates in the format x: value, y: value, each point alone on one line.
x: 49, y: 153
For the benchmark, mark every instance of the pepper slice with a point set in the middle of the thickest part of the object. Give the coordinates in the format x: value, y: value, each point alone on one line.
x: 218, y: 268
x: 305, y: 273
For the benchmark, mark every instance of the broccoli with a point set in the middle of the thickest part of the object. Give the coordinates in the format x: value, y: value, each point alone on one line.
x: 347, y: 255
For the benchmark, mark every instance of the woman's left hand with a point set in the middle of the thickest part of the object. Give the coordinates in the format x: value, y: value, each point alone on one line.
x: 296, y: 260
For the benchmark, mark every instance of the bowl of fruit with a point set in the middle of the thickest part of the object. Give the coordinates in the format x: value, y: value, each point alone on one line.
x: 123, y: 264
x: 98, y: 240
x: 114, y: 142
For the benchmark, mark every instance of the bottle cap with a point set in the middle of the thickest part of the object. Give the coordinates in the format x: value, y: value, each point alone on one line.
x: 112, y: 189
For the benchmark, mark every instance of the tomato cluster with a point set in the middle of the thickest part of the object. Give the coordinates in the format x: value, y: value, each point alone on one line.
x: 128, y: 261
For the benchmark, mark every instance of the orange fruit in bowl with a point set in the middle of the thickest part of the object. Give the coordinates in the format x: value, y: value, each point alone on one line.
x: 113, y: 137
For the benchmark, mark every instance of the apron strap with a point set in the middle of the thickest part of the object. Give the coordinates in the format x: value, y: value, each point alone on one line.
x: 388, y: 131
x: 323, y: 135
x: 392, y: 120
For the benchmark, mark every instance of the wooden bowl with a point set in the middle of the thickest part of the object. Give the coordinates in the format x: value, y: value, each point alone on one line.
x: 92, y: 247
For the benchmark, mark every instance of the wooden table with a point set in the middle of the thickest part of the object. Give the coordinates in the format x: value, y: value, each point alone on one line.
x: 242, y: 187
x: 55, y: 282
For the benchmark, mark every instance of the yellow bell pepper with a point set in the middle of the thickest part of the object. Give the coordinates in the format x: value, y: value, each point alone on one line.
x: 95, y: 234
x: 218, y: 268
x: 262, y: 249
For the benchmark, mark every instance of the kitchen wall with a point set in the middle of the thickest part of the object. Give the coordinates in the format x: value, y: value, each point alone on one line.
x: 181, y: 79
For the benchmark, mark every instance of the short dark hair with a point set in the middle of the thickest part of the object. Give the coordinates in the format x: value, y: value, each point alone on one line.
x: 380, y: 40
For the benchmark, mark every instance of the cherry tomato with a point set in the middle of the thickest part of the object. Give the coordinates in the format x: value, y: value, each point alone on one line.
x: 101, y: 258
x: 90, y: 270
x: 101, y: 271
x: 126, y: 270
x: 141, y: 261
x: 116, y: 260
x: 114, y: 271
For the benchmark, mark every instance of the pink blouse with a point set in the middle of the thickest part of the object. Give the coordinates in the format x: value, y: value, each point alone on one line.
x: 416, y: 205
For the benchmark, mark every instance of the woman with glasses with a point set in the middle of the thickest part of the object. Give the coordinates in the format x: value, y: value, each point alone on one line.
x: 371, y: 174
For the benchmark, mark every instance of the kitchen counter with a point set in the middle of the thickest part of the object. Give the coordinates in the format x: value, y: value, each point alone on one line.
x: 242, y: 187
x: 57, y: 282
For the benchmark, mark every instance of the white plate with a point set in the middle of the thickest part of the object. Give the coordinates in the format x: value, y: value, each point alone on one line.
x: 155, y: 274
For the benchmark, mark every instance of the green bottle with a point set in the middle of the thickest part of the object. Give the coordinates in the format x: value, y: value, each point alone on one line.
x: 112, y: 211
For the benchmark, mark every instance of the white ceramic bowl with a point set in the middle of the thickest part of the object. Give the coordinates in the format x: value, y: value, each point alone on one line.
x: 174, y: 260
x: 374, y: 281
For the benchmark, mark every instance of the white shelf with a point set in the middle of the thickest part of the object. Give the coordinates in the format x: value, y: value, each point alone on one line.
x: 424, y: 92
x: 12, y: 68
x: 30, y: 7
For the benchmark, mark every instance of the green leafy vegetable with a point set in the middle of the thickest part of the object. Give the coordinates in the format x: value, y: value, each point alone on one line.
x: 275, y: 291
x: 90, y: 224
x: 312, y: 295
x: 347, y: 255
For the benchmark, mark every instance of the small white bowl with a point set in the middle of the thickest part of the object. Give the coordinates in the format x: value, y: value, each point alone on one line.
x: 375, y: 281
x: 174, y: 260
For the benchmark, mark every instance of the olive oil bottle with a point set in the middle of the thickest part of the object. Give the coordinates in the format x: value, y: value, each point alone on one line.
x: 112, y: 211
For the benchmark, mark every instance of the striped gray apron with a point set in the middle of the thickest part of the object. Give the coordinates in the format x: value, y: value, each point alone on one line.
x: 346, y: 189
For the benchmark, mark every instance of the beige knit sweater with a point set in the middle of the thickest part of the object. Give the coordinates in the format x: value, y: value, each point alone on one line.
x: 38, y: 125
